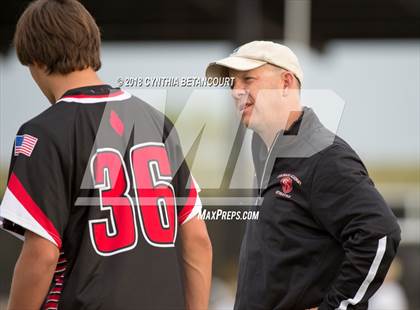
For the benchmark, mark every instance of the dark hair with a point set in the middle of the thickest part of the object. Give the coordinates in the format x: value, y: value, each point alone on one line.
x: 60, y: 34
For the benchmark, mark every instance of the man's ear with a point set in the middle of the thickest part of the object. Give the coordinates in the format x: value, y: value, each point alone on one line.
x: 39, y: 67
x: 288, y: 79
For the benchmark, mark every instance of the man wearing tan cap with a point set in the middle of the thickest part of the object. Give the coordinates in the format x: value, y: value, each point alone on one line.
x: 325, y: 237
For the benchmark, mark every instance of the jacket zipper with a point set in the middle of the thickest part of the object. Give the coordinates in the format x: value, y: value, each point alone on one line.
x: 265, y: 167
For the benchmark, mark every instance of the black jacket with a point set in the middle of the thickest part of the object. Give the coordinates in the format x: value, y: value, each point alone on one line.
x: 325, y: 237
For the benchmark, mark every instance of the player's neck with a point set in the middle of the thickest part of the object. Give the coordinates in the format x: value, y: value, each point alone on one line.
x: 60, y: 84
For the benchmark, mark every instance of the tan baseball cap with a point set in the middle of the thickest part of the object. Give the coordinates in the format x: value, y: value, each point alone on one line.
x: 255, y: 54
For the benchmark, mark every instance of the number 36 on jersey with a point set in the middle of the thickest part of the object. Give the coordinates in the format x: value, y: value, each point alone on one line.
x: 153, y: 206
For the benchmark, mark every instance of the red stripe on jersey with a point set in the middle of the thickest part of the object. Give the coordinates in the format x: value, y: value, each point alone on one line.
x: 60, y: 270
x: 120, y: 92
x: 189, y: 204
x: 50, y: 305
x: 54, y: 295
x: 56, y: 290
x: 52, y: 298
x: 58, y: 279
x: 16, y: 187
x: 116, y: 123
x: 62, y: 260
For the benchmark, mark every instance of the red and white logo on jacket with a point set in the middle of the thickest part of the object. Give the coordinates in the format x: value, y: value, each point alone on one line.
x: 286, y: 181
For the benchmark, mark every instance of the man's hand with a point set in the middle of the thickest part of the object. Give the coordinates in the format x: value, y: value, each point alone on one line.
x: 197, y: 259
x: 33, y: 273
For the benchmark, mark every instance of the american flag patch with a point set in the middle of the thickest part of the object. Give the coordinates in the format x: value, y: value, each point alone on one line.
x: 25, y: 144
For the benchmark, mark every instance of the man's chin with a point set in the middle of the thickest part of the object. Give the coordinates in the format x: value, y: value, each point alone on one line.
x: 247, y: 122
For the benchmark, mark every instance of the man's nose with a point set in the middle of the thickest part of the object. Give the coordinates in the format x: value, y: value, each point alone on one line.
x: 238, y: 93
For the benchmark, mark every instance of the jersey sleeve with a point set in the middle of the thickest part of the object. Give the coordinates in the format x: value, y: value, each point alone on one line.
x: 186, y: 188
x: 346, y: 203
x: 37, y: 193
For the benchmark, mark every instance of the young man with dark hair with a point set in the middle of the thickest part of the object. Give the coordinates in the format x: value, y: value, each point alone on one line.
x: 98, y: 187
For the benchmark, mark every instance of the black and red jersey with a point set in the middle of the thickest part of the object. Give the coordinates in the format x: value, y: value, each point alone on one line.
x: 101, y: 175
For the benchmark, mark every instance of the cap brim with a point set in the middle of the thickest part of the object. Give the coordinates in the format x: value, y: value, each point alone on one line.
x: 221, y: 67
